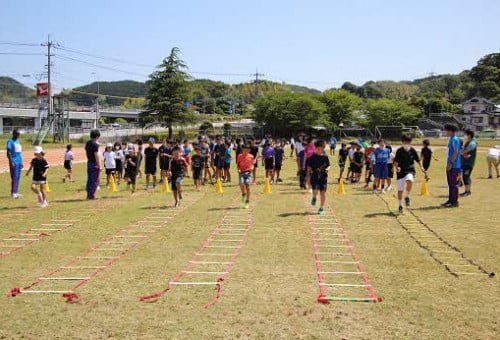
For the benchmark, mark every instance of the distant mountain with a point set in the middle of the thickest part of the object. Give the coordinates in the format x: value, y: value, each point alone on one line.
x: 122, y: 88
x: 302, y: 89
x: 12, y: 90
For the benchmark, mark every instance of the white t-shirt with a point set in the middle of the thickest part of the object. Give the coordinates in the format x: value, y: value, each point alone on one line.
x: 352, y: 151
x: 109, y: 160
x: 494, y: 152
x: 299, y: 147
x: 68, y: 155
x: 120, y: 155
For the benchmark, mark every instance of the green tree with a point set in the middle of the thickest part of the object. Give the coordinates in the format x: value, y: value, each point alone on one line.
x: 390, y: 112
x: 168, y: 92
x: 340, y: 105
x: 287, y: 112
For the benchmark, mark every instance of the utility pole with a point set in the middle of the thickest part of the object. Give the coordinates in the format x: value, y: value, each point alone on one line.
x: 256, y: 81
x: 50, y: 111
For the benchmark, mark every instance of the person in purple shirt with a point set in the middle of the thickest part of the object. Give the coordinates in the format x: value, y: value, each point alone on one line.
x: 268, y: 160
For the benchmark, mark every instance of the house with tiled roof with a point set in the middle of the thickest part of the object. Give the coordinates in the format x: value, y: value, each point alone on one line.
x: 479, y: 114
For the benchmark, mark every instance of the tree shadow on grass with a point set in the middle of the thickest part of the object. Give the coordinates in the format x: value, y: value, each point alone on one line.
x: 290, y: 214
x: 428, y: 208
x: 389, y: 214
x: 222, y: 209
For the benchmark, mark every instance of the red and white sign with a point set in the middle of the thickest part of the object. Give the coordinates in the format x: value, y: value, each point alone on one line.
x: 42, y: 90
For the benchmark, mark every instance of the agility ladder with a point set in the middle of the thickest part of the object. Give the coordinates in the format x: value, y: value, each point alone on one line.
x: 83, y: 268
x: 211, y: 264
x: 440, y: 250
x: 337, y: 264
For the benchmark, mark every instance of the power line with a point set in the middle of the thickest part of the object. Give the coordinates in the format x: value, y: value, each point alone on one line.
x: 12, y: 43
x: 19, y: 53
x: 63, y: 57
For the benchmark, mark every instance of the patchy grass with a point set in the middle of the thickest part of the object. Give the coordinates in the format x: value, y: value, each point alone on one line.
x: 272, y: 289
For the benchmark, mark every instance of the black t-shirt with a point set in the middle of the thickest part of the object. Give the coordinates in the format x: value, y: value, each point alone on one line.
x: 343, y: 153
x: 151, y: 154
x: 177, y: 167
x: 254, y: 150
x: 278, y: 155
x: 358, y: 157
x: 91, y: 147
x: 131, y: 168
x: 39, y: 167
x: 318, y: 164
x: 426, y: 155
x: 239, y: 150
x: 406, y: 161
x: 197, y: 161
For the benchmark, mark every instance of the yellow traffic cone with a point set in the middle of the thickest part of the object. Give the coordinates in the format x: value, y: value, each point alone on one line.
x: 47, y: 188
x: 165, y: 187
x: 218, y: 186
x: 341, y: 189
x: 112, y: 184
x: 425, y: 189
x: 267, y: 186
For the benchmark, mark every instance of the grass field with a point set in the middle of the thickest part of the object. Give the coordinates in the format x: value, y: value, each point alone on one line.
x: 272, y: 289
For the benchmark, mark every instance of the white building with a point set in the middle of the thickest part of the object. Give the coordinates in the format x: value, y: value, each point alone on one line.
x: 479, y: 113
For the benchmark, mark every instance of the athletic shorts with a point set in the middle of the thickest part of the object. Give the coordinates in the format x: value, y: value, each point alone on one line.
x: 68, y: 165
x: 119, y: 165
x: 402, y: 182
x: 174, y: 182
x: 355, y: 168
x: 150, y: 169
x: 197, y: 173
x: 255, y: 165
x: 320, y: 184
x: 269, y: 163
x: 164, y: 163
x: 220, y: 163
x: 110, y: 171
x: 131, y: 176
x: 245, y: 178
x: 227, y: 166
x: 341, y: 166
x: 39, y: 182
x: 390, y: 170
x: 381, y: 171
x: 277, y: 166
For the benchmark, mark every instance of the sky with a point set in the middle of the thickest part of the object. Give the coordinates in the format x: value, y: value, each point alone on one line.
x: 315, y: 43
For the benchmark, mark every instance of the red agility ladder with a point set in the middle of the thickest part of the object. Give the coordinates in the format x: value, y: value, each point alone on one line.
x: 340, y: 273
x: 217, y: 254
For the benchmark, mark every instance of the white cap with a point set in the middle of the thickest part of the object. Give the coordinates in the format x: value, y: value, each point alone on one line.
x: 37, y: 149
x: 109, y: 145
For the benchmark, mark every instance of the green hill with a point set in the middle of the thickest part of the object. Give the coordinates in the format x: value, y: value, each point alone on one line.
x: 11, y: 90
x: 122, y: 88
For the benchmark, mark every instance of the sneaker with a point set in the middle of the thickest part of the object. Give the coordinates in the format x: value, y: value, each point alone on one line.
x: 180, y: 195
x: 40, y: 197
x: 313, y: 201
x: 451, y: 205
x: 279, y: 180
x: 146, y: 187
x: 64, y: 179
x: 445, y: 203
x: 15, y: 196
x: 383, y: 191
x: 154, y: 187
x: 271, y: 181
x: 321, y: 211
x: 376, y: 191
x: 400, y: 209
x: 466, y: 194
x: 310, y: 191
x: 490, y: 177
x: 389, y: 188
x: 44, y: 204
x: 407, y: 201
x: 247, y: 205
x: 176, y: 204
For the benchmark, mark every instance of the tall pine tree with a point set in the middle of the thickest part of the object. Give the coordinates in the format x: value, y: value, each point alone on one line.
x: 168, y: 93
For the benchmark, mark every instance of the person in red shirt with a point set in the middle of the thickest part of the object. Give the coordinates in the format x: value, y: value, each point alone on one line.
x: 245, y: 163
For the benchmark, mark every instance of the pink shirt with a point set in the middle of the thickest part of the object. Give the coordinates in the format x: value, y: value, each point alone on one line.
x: 310, y: 149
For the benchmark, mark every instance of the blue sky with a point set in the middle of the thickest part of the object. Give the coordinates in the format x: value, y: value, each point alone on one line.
x: 317, y: 43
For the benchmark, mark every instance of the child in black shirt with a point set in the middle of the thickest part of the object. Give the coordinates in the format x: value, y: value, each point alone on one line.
x: 131, y: 161
x: 177, y: 168
x: 197, y: 165
x: 426, y: 155
x: 404, y: 162
x: 317, y: 169
x: 40, y: 168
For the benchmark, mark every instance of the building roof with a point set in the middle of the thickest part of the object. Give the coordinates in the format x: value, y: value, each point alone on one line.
x: 478, y: 100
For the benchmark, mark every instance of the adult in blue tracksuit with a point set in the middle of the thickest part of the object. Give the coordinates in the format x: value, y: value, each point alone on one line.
x: 93, y: 164
x: 453, y: 166
x: 14, y: 154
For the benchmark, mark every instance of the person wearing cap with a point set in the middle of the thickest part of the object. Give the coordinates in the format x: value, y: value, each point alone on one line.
x: 40, y: 168
x: 150, y: 160
x: 493, y: 159
x: 15, y: 157
x: 109, y: 157
x: 93, y: 164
